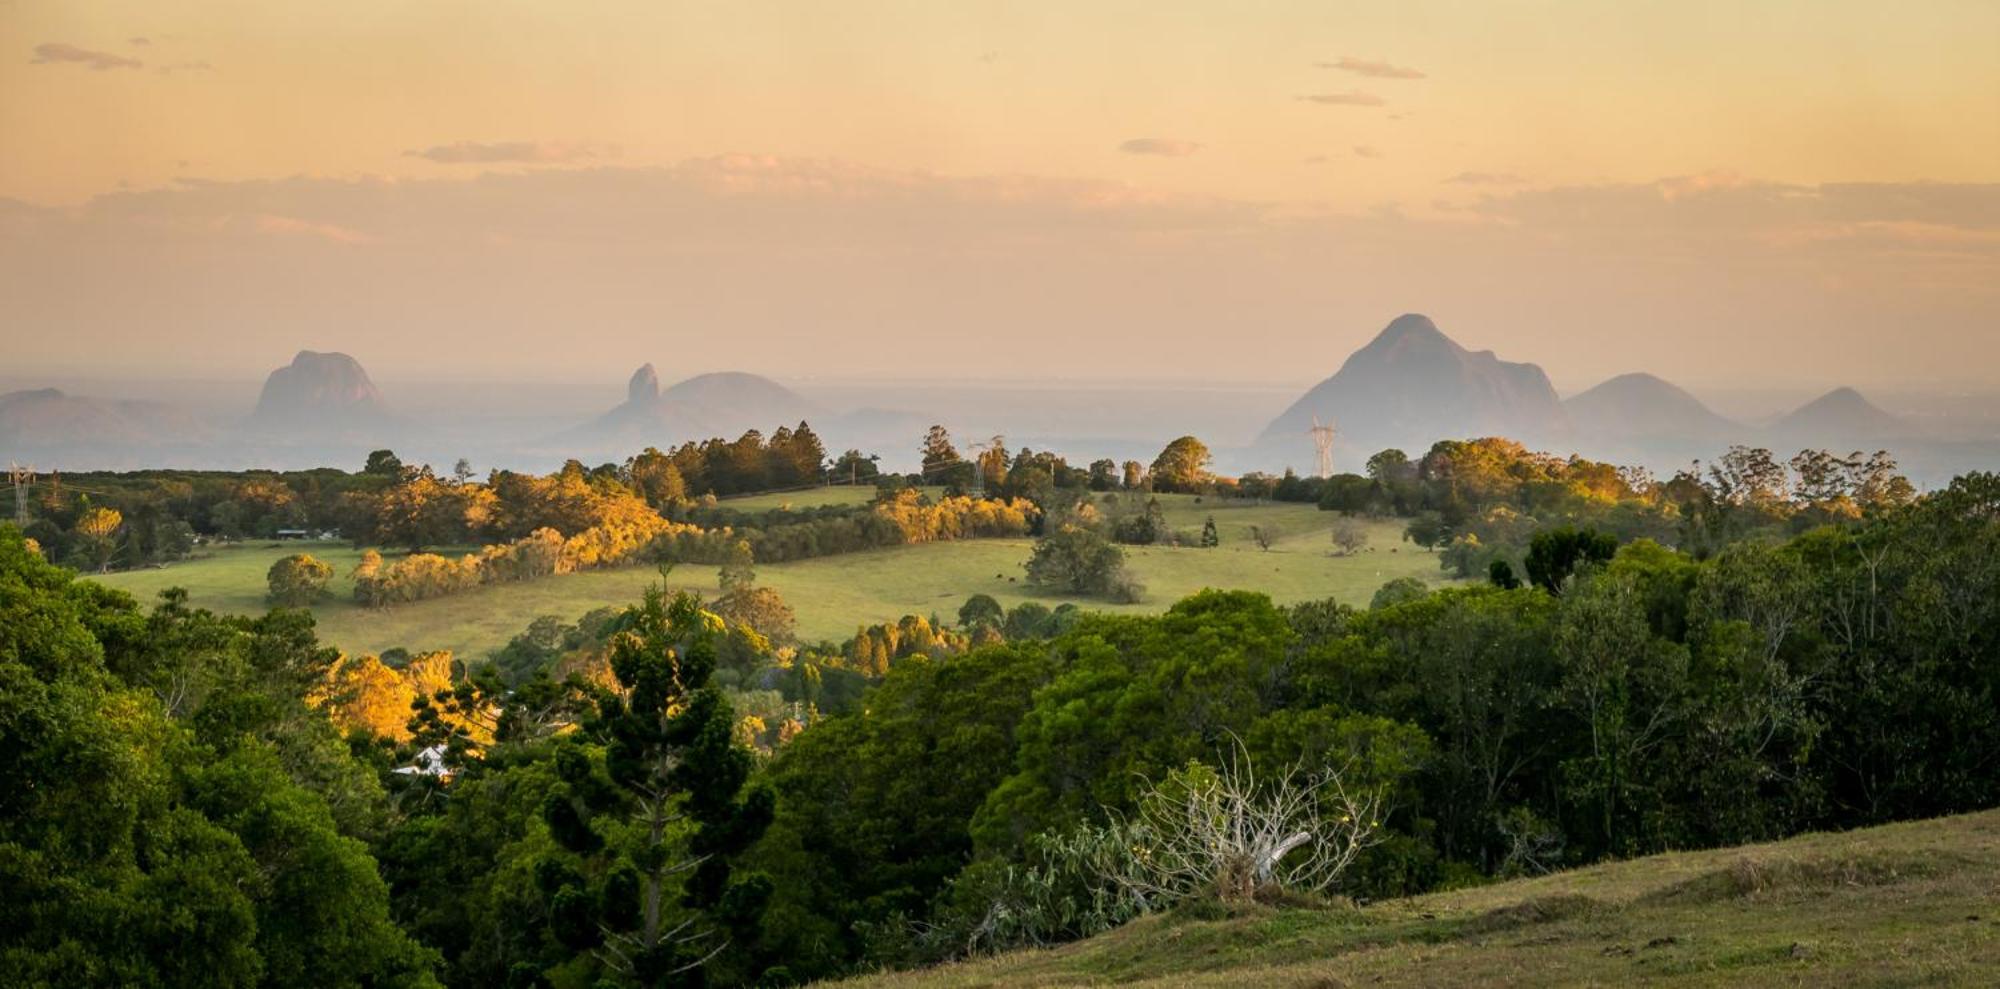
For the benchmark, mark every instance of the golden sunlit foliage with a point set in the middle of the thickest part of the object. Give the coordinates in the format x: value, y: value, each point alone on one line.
x: 367, y: 693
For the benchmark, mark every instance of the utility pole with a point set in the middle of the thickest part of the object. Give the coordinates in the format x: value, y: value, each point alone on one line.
x: 21, y: 477
x: 1323, y: 440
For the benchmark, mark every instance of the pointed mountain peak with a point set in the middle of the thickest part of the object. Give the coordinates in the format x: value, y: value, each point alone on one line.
x: 1411, y: 325
x: 1839, y: 417
x: 1840, y: 400
x: 644, y: 388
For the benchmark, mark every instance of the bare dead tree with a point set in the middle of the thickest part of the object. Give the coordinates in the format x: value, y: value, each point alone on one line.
x: 1227, y: 832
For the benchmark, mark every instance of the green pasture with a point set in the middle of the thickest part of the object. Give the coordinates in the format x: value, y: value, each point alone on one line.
x: 832, y: 595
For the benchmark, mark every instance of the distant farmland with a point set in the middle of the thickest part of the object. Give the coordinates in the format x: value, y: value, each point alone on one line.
x: 835, y: 594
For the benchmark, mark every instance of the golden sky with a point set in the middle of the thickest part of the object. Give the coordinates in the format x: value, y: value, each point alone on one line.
x: 1431, y: 148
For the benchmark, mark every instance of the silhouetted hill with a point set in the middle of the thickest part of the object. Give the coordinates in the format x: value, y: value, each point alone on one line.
x: 725, y: 404
x: 49, y: 417
x: 319, y: 393
x: 1412, y: 386
x: 1642, y: 406
x: 1840, y: 419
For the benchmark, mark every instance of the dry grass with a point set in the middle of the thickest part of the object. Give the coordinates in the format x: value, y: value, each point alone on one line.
x: 1902, y: 905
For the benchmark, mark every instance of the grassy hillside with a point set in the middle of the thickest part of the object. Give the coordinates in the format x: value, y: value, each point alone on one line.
x: 1902, y: 905
x: 834, y: 594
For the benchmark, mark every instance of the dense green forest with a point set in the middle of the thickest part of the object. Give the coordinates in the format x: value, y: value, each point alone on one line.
x: 674, y: 793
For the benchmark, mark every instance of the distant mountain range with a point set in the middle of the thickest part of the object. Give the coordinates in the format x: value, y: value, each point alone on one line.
x: 1413, y: 385
x: 1408, y: 387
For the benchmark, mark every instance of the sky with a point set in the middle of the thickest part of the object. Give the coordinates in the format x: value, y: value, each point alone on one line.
x: 1725, y: 194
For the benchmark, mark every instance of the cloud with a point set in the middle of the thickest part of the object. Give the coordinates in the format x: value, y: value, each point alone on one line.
x: 490, y: 153
x: 1364, y: 151
x: 1352, y: 97
x: 53, y: 52
x: 1159, y: 146
x: 139, y: 42
x: 272, y: 223
x: 1373, y: 69
x: 179, y: 67
x: 1485, y: 178
x: 477, y: 267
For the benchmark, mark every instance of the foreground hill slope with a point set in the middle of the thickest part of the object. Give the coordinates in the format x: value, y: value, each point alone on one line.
x: 1916, y: 903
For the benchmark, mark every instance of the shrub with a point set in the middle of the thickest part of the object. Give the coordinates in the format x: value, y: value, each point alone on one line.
x: 298, y: 580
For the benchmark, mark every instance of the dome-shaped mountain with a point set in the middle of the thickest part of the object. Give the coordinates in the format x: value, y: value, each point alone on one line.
x: 1642, y: 406
x: 319, y: 392
x: 1839, y: 419
x: 1412, y: 386
x: 725, y: 404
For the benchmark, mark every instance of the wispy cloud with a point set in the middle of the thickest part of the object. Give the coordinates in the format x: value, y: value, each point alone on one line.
x: 1364, y: 151
x: 487, y: 153
x: 179, y: 67
x: 1485, y: 178
x: 1371, y: 68
x: 140, y: 42
x: 272, y: 223
x: 1166, y: 147
x: 1352, y: 97
x: 56, y: 52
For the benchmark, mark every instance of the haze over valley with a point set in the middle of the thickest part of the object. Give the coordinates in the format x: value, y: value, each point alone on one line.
x: 665, y: 494
x: 1408, y: 386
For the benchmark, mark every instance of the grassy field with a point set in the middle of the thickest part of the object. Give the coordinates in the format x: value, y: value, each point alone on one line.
x: 1903, y: 905
x: 832, y: 595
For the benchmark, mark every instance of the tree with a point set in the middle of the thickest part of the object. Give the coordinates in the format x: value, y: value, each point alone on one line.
x: 1080, y: 561
x: 298, y: 580
x: 1210, y: 537
x: 1226, y: 833
x: 980, y: 610
x: 383, y: 463
x: 1349, y: 536
x: 98, y: 528
x: 738, y: 568
x: 1427, y: 530
x: 854, y: 468
x: 1134, y: 475
x: 761, y: 609
x: 1347, y: 494
x: 657, y: 478
x: 1389, y: 465
x: 1181, y: 466
x: 1402, y: 590
x: 1500, y: 574
x: 1264, y: 536
x: 658, y: 824
x: 1103, y: 475
x: 1555, y: 554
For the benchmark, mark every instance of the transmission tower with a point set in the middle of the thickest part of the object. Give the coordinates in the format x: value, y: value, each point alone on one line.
x: 978, y: 451
x: 1323, y: 440
x: 21, y: 477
